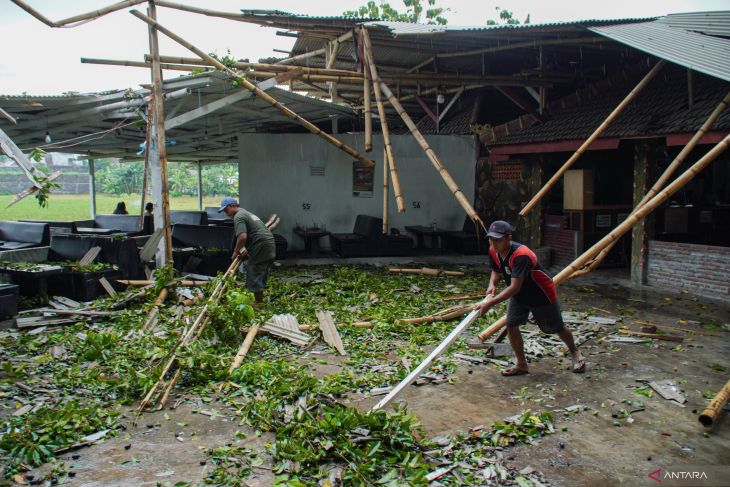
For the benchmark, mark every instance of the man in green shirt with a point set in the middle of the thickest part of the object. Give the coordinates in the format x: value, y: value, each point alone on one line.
x: 259, y: 241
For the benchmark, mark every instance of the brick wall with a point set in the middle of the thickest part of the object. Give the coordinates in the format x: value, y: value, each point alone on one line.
x: 560, y: 240
x: 703, y: 270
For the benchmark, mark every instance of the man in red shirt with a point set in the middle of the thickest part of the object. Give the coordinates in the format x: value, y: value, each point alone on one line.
x: 529, y: 290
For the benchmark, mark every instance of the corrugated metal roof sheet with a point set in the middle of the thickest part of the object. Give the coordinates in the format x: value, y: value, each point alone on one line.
x: 710, y: 23
x: 406, y: 28
x: 703, y: 53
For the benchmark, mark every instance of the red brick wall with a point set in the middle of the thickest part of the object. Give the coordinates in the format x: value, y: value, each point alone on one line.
x: 560, y: 240
x: 703, y: 270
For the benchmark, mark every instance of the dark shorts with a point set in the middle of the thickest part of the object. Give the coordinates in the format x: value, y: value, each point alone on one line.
x: 548, y: 317
x: 257, y: 274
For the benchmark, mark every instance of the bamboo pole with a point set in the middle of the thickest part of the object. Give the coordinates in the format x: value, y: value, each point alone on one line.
x: 712, y: 411
x: 147, y: 282
x: 255, y: 90
x: 150, y: 117
x: 368, y: 106
x: 458, y: 194
x: 367, y: 48
x: 426, y: 271
x: 77, y: 18
x: 386, y: 195
x: 245, y: 346
x: 584, y: 147
x: 264, y: 66
x: 627, y: 224
x: 666, y: 175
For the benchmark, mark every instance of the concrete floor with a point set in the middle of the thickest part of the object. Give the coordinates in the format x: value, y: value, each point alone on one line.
x: 586, y: 449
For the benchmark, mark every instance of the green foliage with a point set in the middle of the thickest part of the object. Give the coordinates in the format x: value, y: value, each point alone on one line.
x: 506, y: 17
x: 416, y: 11
x: 33, y: 439
x: 234, y: 310
x: 522, y: 429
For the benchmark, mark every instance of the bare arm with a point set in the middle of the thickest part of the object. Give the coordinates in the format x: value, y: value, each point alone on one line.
x: 240, y: 243
x: 508, y: 292
x: 493, y: 281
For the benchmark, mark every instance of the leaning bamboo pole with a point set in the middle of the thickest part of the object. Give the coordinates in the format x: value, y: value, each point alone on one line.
x: 386, y: 195
x: 584, y: 147
x: 709, y: 415
x: 77, y: 18
x: 245, y: 346
x: 628, y: 223
x: 666, y: 175
x: 255, y: 90
x: 458, y: 194
x: 370, y: 61
x: 262, y: 66
x: 368, y: 108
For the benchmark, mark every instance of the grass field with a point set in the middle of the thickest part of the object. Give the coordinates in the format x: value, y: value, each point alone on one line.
x: 64, y: 207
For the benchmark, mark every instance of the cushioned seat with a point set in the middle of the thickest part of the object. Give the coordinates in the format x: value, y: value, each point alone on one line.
x: 467, y: 240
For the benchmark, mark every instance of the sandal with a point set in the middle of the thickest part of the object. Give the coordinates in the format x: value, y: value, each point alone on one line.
x: 514, y: 371
x: 579, y: 365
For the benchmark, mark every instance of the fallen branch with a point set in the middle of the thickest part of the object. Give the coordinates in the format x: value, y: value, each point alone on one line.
x: 427, y: 271
x: 709, y: 415
x: 245, y: 346
x: 443, y: 315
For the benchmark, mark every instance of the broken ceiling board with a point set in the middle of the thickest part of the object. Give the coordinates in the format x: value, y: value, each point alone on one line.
x: 90, y: 256
x: 107, y: 286
x: 329, y: 331
x: 286, y: 326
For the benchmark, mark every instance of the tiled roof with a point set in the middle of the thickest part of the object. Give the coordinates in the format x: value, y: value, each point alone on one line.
x: 661, y: 108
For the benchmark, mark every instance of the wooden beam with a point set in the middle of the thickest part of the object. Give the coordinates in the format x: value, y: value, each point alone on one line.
x: 451, y: 104
x: 21, y: 160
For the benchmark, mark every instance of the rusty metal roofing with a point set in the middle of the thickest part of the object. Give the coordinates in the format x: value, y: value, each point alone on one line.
x: 700, y: 52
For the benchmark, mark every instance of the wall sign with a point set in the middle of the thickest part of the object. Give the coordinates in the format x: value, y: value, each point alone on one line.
x: 362, y: 180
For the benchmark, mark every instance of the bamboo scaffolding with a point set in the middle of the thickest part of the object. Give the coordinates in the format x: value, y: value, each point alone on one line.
x: 77, y: 18
x: 666, y: 175
x: 627, y: 224
x: 712, y: 411
x: 584, y: 147
x: 263, y: 66
x: 147, y: 282
x: 445, y: 175
x: 245, y: 346
x: 368, y: 108
x: 255, y: 90
x: 152, y: 317
x: 367, y: 49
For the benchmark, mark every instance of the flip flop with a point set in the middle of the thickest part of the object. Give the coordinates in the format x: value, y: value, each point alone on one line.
x: 579, y: 366
x: 514, y: 371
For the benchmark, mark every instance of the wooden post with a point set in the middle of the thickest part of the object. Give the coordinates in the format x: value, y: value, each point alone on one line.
x: 256, y: 91
x: 643, y: 160
x: 367, y: 48
x: 92, y: 188
x: 200, y: 186
x: 458, y: 194
x: 627, y: 224
x: 596, y: 133
x: 157, y: 150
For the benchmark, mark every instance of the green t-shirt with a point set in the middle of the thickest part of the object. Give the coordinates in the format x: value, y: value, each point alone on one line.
x: 259, y: 241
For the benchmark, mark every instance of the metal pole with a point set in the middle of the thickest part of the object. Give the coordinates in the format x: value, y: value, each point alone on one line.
x: 92, y: 188
x: 200, y: 186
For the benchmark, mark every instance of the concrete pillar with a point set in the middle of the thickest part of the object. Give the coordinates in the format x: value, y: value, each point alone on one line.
x: 92, y: 188
x: 645, y: 158
x: 533, y: 220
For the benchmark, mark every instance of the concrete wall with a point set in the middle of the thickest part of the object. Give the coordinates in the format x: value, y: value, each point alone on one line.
x: 13, y: 182
x: 700, y: 269
x: 275, y: 177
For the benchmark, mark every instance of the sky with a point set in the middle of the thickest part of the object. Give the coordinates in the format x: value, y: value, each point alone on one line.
x: 40, y: 60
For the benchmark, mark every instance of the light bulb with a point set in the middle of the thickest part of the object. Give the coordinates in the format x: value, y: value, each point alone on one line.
x: 48, y: 138
x: 440, y: 99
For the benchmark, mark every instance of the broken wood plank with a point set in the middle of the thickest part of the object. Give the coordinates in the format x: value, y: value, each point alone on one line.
x: 90, y: 256
x: 107, y: 286
x: 77, y: 312
x: 150, y: 247
x: 329, y: 331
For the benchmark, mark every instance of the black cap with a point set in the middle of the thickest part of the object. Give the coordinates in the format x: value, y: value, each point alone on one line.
x: 499, y: 229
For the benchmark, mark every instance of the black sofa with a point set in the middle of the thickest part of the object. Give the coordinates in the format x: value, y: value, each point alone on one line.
x: 23, y: 235
x: 215, y: 218
x: 188, y: 217
x: 469, y: 240
x: 367, y: 240
x: 127, y: 224
x: 202, y: 249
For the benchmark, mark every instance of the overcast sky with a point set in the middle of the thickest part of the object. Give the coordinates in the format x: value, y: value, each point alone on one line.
x: 40, y: 60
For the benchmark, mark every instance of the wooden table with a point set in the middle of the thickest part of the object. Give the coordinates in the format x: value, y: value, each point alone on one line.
x: 434, y: 234
x: 311, y: 238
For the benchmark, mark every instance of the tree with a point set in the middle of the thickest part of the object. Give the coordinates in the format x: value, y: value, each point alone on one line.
x: 505, y: 16
x: 416, y: 11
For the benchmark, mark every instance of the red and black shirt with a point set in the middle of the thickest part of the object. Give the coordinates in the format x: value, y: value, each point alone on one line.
x: 537, y: 288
